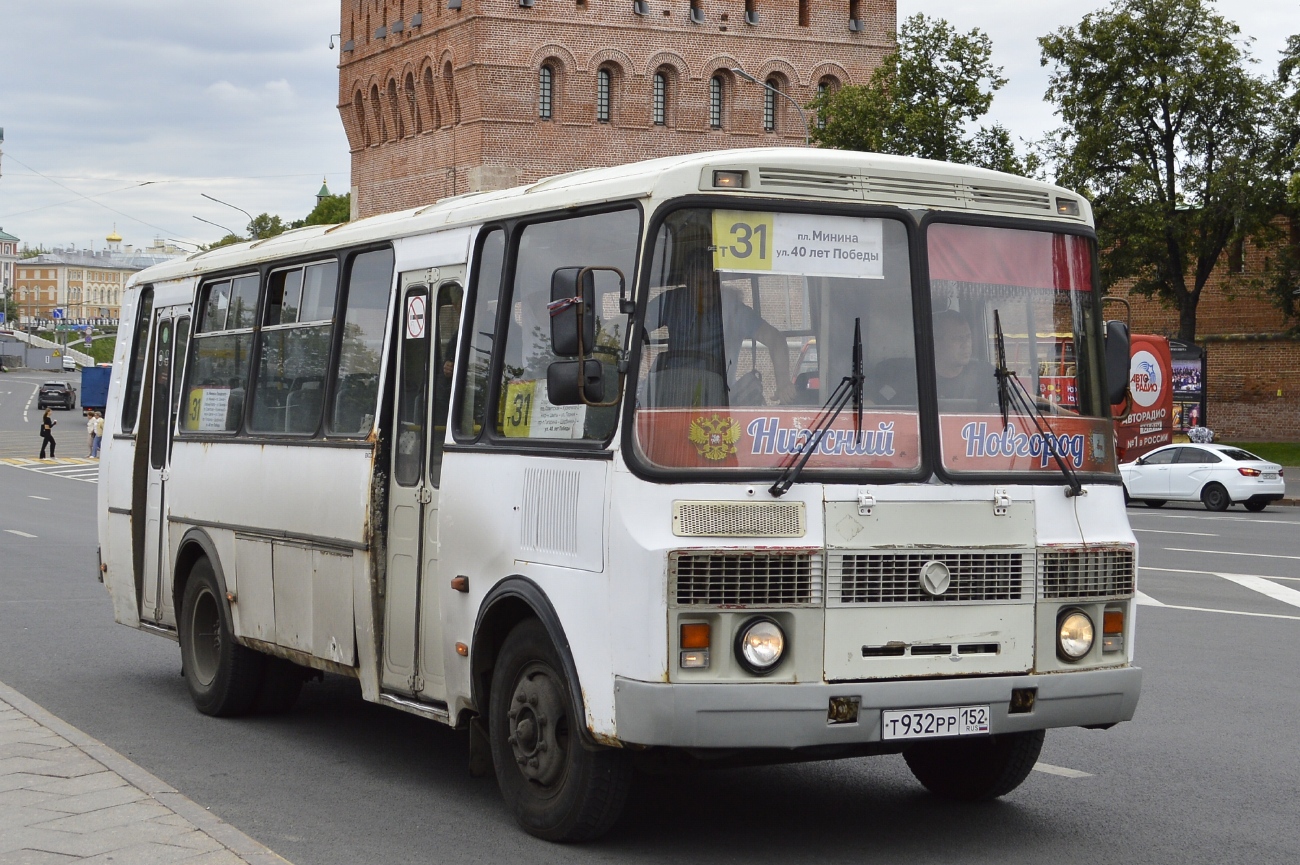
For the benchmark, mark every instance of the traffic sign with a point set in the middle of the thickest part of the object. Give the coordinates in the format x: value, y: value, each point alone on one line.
x: 56, y: 313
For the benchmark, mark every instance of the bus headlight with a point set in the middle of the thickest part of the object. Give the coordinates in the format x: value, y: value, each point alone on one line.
x: 1074, y: 635
x: 759, y: 645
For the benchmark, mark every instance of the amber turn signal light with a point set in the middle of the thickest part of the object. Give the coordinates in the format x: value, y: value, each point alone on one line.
x: 695, y: 635
x: 1112, y: 622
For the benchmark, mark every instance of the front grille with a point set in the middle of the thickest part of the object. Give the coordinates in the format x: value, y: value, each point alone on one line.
x: 1024, y: 199
x: 895, y: 577
x: 746, y: 578
x: 802, y: 180
x: 738, y: 519
x: 1104, y: 573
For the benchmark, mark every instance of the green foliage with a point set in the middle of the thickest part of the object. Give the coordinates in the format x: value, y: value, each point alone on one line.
x: 265, y: 225
x: 922, y: 100
x: 1282, y: 453
x: 330, y: 210
x: 1170, y: 134
x: 225, y: 241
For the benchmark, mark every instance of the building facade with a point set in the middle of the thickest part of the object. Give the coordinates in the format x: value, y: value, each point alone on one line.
x: 8, y: 260
x: 440, y: 97
x: 86, y: 287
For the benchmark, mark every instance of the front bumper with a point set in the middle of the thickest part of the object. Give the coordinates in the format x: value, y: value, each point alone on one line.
x: 772, y: 715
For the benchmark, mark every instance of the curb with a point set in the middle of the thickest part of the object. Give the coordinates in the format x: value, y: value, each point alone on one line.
x: 166, y: 795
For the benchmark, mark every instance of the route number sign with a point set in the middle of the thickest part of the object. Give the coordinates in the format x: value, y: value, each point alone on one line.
x: 798, y: 243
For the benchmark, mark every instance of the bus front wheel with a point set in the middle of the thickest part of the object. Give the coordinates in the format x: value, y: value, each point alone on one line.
x: 223, y: 677
x: 558, y: 787
x: 975, y: 770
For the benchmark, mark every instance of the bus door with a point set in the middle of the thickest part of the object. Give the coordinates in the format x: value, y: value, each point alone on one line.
x: 171, y: 332
x: 427, y: 321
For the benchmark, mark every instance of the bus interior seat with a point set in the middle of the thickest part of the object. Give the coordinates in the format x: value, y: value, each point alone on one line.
x: 683, y: 379
x: 892, y: 382
x: 302, y: 408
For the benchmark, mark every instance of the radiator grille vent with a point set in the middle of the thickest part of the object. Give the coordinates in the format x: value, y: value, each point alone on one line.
x: 913, y: 189
x: 1023, y: 199
x: 738, y: 519
x: 895, y: 577
x: 832, y: 183
x: 1086, y: 573
x: 745, y: 578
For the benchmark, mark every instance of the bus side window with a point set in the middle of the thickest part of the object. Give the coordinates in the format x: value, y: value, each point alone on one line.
x: 216, y: 379
x: 356, y: 386
x: 294, y: 350
x: 480, y: 326
x: 135, y: 378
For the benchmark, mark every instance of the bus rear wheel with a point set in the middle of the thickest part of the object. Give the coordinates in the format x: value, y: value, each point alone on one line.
x: 975, y: 770
x: 223, y: 677
x: 558, y: 787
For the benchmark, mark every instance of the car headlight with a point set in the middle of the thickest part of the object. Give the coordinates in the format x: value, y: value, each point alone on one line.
x: 1074, y: 635
x: 759, y: 645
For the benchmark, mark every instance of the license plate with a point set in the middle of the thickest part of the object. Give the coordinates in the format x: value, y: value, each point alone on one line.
x: 933, y: 723
x: 1270, y: 476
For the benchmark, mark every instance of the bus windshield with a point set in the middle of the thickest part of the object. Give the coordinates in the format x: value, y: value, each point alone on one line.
x: 749, y: 328
x: 1040, y: 286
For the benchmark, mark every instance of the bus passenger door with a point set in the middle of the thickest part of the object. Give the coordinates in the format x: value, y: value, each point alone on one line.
x: 161, y: 416
x: 408, y: 494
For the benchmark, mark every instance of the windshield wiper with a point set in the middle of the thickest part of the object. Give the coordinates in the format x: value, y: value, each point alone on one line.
x: 1008, y: 396
x: 850, y: 388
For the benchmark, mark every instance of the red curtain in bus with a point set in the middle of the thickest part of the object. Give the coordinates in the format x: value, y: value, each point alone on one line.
x: 1007, y: 256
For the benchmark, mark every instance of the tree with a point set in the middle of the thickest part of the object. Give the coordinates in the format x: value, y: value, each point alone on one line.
x: 922, y: 99
x: 330, y: 210
x: 1169, y: 134
x: 265, y: 225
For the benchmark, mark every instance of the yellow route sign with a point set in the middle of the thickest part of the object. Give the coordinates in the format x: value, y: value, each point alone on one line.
x: 742, y: 240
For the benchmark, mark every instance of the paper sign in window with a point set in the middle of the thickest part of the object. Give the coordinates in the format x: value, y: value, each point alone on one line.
x: 798, y: 243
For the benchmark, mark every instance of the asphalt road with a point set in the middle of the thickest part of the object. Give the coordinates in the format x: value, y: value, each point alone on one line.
x: 1205, y: 773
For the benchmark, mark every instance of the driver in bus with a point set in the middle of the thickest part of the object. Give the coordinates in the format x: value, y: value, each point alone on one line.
x: 707, y: 326
x: 960, y: 375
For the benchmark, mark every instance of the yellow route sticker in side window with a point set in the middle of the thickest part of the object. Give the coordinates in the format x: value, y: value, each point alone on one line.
x: 742, y: 240
x: 517, y: 412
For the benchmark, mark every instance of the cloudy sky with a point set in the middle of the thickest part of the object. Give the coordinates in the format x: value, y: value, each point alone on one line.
x: 124, y: 113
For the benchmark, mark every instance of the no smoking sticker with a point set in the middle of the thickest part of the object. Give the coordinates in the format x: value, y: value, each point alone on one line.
x: 415, y: 317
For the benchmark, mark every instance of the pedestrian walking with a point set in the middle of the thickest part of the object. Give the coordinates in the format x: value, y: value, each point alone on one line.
x: 47, y: 434
x: 90, y: 435
x: 99, y: 435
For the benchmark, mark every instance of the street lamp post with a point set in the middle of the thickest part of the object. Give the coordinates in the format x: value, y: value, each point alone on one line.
x: 240, y: 209
x: 797, y: 107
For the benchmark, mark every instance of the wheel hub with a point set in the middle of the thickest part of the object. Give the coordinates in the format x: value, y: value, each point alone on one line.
x: 536, y: 721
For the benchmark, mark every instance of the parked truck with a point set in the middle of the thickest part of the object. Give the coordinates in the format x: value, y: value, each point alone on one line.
x: 94, y: 387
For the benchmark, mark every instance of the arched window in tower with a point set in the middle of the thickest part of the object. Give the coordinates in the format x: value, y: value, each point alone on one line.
x: 855, y: 15
x: 398, y: 123
x: 545, y: 92
x: 431, y: 98
x: 449, y: 84
x: 659, y: 107
x: 825, y: 89
x: 769, y: 104
x: 804, y: 13
x: 751, y: 12
x: 377, y: 111
x: 359, y: 117
x: 412, y: 105
x: 716, y: 86
x: 603, y: 83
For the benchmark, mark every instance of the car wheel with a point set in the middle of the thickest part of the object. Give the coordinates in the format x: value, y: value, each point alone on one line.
x: 1128, y: 500
x: 1154, y: 503
x: 975, y: 770
x: 223, y: 677
x: 558, y: 787
x: 1256, y: 507
x: 1215, y: 497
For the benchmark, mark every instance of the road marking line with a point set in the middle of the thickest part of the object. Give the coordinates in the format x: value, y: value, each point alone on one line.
x: 1049, y: 769
x: 1165, y: 532
x: 1228, y: 612
x: 19, y: 534
x: 42, y: 498
x: 1146, y: 600
x: 1257, y: 520
x: 1226, y: 553
x: 1265, y: 587
x: 1212, y: 573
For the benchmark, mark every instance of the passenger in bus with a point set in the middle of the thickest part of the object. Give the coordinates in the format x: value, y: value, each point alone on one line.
x: 706, y: 327
x: 960, y: 375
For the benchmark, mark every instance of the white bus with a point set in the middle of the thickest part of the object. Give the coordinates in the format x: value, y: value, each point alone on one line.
x: 738, y: 456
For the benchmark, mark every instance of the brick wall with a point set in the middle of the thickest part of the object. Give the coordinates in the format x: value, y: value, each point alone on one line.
x: 1249, y: 357
x: 451, y: 105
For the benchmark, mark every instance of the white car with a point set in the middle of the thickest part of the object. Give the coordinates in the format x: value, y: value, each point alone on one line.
x: 1219, y: 476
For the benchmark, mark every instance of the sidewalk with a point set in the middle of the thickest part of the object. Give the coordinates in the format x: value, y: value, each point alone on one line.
x: 65, y: 797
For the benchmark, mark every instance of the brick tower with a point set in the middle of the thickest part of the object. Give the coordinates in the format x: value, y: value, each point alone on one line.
x: 440, y: 97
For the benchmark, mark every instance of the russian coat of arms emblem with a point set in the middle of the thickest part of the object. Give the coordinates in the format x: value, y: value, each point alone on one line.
x: 714, y: 437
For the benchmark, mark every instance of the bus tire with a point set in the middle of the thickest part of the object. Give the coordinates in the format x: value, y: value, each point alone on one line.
x: 975, y: 770
x: 1215, y: 498
x: 223, y: 677
x: 558, y: 787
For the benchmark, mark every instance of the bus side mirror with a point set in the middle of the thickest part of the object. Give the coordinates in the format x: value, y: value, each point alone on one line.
x: 573, y: 318
x: 1117, y: 360
x: 575, y: 382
